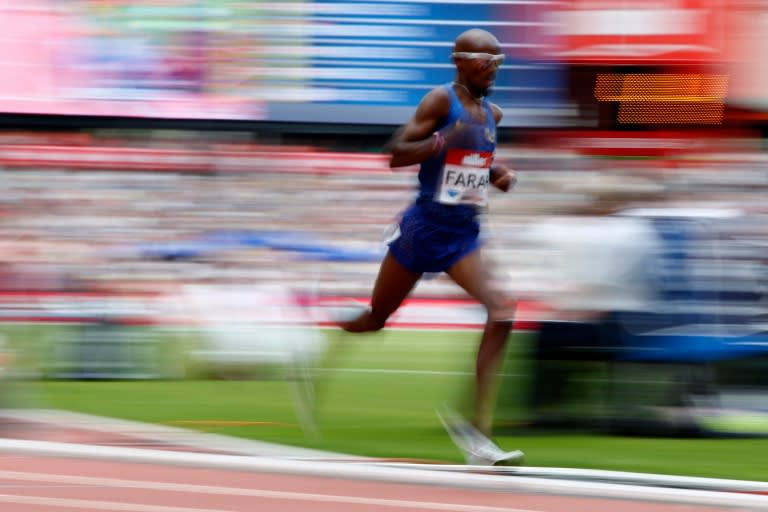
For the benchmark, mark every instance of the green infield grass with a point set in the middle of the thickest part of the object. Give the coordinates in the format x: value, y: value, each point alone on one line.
x: 376, y: 396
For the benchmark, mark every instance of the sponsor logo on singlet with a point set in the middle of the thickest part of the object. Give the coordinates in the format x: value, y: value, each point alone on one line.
x: 465, y: 178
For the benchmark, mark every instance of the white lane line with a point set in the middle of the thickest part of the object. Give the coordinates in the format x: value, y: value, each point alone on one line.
x: 239, y: 491
x: 98, y: 505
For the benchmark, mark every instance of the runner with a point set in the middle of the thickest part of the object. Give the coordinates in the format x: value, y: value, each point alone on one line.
x: 452, y: 136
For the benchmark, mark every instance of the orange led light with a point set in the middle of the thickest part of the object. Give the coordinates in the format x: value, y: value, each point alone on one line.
x: 664, y: 98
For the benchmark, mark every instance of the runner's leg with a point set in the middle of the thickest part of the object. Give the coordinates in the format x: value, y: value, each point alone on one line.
x: 392, y: 286
x: 473, y: 274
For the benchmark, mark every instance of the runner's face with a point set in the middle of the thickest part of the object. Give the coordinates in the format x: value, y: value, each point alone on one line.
x: 479, y: 66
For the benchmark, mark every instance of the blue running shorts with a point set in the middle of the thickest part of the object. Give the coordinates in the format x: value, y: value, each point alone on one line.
x: 430, y: 243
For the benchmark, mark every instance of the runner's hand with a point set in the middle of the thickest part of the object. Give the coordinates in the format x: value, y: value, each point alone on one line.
x: 502, y: 177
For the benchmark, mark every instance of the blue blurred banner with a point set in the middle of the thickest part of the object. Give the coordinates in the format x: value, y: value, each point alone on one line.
x: 373, y: 62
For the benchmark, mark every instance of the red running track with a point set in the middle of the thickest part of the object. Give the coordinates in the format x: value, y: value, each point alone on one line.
x: 47, y: 468
x: 55, y: 484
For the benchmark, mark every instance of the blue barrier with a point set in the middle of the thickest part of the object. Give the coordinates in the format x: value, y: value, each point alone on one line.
x: 306, y: 245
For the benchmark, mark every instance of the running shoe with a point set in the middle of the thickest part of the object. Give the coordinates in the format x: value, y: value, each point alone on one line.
x: 478, y: 450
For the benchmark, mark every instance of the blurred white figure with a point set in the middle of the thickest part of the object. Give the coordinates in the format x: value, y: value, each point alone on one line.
x: 247, y: 326
x: 592, y: 265
x: 595, y: 264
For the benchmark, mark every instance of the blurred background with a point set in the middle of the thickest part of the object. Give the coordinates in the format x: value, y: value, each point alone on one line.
x: 177, y: 170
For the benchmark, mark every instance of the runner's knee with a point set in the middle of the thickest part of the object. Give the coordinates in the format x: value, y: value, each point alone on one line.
x: 501, y: 309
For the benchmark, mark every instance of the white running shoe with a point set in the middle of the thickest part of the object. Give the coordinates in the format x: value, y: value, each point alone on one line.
x: 478, y: 450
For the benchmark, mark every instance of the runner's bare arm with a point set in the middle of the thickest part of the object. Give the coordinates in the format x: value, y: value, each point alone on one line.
x: 502, y: 177
x: 416, y: 141
x: 497, y: 113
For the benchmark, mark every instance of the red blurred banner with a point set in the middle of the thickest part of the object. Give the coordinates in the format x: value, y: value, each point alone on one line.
x: 640, y: 31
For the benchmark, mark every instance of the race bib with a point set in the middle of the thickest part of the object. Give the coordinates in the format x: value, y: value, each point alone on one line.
x: 465, y: 178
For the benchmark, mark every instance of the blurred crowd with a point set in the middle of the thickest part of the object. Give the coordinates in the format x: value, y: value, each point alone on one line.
x: 322, y: 231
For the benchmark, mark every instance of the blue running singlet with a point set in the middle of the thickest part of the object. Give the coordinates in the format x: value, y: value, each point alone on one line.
x: 440, y: 227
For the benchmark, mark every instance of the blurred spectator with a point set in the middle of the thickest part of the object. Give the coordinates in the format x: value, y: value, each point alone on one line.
x: 595, y: 263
